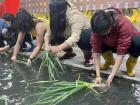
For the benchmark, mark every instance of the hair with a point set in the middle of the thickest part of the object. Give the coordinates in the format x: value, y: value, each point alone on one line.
x: 8, y: 17
x: 58, y: 17
x: 101, y: 22
x: 24, y: 21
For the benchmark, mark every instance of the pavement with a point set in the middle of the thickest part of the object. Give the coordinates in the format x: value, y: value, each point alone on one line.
x: 77, y: 63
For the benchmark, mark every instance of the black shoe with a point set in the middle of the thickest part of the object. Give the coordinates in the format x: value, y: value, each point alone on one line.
x: 88, y: 63
x: 68, y: 55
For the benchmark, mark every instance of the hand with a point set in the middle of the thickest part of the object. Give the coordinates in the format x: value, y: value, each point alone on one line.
x: 1, y: 49
x: 98, y: 80
x: 56, y: 49
x: 47, y: 48
x: 29, y: 62
x: 13, y: 58
x: 110, y: 79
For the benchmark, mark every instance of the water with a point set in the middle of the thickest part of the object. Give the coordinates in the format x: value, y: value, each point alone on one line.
x: 13, y: 80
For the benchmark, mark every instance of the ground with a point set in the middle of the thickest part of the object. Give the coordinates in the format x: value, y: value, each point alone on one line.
x: 77, y: 62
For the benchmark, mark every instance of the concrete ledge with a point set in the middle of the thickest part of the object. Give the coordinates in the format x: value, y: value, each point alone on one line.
x: 76, y: 63
x: 120, y: 74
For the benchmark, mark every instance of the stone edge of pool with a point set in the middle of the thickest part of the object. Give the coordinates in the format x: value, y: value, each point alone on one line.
x: 78, y: 66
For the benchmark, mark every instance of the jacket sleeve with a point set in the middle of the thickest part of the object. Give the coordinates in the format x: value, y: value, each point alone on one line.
x: 96, y: 44
x: 124, y: 38
x: 76, y: 22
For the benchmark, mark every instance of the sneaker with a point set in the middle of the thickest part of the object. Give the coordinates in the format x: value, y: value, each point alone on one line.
x: 68, y: 55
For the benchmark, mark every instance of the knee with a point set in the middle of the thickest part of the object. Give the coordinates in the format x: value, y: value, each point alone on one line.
x: 136, y: 41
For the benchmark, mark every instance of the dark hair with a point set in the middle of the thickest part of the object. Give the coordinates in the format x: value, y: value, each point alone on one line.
x: 101, y: 22
x: 8, y: 17
x: 58, y: 17
x: 24, y: 21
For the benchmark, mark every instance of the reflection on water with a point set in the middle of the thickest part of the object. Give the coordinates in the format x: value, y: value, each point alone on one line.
x: 137, y: 92
x: 13, y: 80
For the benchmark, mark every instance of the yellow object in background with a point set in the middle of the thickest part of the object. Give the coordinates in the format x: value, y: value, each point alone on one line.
x: 134, y: 16
x: 88, y: 14
x: 42, y: 17
x: 138, y: 16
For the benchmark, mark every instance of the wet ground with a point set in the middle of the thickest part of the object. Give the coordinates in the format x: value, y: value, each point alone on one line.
x: 14, y: 78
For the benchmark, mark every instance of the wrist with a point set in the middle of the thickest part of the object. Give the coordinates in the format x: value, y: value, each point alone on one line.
x: 14, y: 56
x: 98, y: 76
x: 112, y: 74
x: 30, y: 59
x: 64, y: 46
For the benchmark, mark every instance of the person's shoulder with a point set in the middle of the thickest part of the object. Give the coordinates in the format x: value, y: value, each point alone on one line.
x: 71, y: 8
x: 42, y: 25
x: 70, y: 3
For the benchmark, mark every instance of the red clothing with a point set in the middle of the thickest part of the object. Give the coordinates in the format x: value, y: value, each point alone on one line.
x: 120, y: 36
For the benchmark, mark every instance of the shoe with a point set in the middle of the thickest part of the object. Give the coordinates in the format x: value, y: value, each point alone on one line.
x: 88, y: 58
x: 68, y: 55
x: 109, y: 60
x: 130, y: 64
x: 88, y: 63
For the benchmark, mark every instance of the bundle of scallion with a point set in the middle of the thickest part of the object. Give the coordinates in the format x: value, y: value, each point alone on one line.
x: 59, y: 91
x: 49, y: 61
x: 52, y: 63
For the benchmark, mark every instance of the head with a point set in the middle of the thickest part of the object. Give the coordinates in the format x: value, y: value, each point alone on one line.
x: 9, y: 18
x: 24, y: 21
x: 58, y: 10
x: 102, y: 22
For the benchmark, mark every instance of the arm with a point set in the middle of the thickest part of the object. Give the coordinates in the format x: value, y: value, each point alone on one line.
x: 4, y: 48
x: 115, y: 69
x: 17, y: 46
x: 54, y: 49
x: 96, y: 57
x: 10, y: 37
x: 124, y: 41
x: 40, y: 30
x: 76, y: 22
x: 117, y: 64
x: 96, y: 49
x: 47, y: 39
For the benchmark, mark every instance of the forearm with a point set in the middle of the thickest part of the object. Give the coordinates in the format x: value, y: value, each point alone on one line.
x: 96, y: 57
x: 117, y: 64
x: 46, y: 40
x: 18, y: 44
x: 16, y: 49
x: 6, y: 47
x: 35, y: 52
x: 64, y: 46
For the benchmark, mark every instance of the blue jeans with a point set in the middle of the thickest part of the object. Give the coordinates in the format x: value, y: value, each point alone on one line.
x: 134, y: 49
x: 84, y: 42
